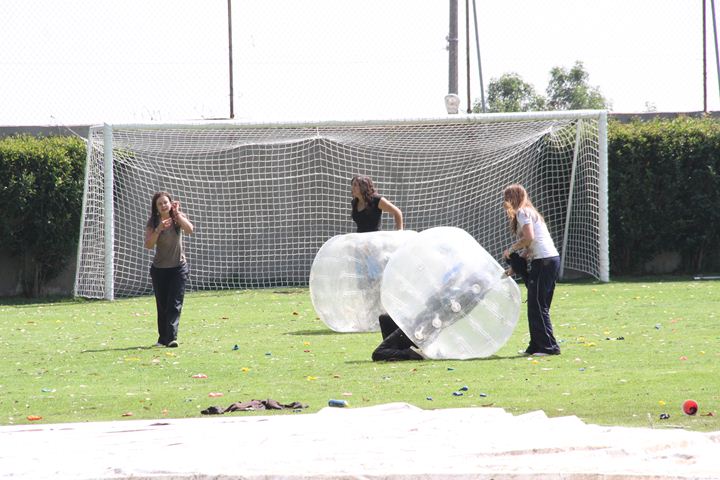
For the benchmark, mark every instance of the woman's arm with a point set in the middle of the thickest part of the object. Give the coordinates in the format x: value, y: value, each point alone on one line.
x: 181, y: 220
x: 151, y: 235
x: 184, y: 223
x: 387, y: 206
x: 527, y: 235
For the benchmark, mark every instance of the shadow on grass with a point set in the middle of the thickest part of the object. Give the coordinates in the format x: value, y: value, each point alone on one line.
x: 324, y: 331
x: 52, y: 301
x: 429, y: 360
x: 645, y: 279
x: 126, y: 349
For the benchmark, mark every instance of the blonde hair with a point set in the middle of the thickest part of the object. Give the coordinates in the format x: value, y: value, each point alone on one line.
x: 516, y: 197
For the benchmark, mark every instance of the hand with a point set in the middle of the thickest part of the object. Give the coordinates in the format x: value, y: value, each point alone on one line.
x: 509, y: 272
x: 506, y: 254
x: 164, y: 225
x: 175, y: 206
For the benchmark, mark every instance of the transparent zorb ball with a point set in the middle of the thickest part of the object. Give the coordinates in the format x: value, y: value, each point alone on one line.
x: 450, y: 296
x: 346, y: 276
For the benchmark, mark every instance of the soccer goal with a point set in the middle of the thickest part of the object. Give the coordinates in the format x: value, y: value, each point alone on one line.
x: 265, y: 197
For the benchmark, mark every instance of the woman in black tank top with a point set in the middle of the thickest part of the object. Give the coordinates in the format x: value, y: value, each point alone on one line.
x: 367, y: 209
x: 368, y: 205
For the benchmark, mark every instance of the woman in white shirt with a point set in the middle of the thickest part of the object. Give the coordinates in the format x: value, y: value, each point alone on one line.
x: 534, y: 257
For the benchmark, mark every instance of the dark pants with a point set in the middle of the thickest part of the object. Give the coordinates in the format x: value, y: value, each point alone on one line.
x: 169, y: 287
x: 395, y: 345
x: 541, y: 286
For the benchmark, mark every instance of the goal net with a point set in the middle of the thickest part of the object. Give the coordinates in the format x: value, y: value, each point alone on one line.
x: 265, y: 197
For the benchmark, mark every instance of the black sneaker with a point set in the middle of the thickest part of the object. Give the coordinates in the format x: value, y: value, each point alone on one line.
x: 528, y: 353
x: 173, y: 344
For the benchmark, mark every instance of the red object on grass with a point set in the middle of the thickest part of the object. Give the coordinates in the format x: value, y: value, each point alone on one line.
x: 690, y: 407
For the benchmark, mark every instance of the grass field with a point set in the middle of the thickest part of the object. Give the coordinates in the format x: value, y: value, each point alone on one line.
x: 632, y: 350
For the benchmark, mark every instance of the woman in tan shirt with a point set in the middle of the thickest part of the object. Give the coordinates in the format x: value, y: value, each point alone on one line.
x: 169, y: 270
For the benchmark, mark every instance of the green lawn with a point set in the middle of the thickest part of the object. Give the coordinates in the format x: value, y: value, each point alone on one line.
x: 631, y: 351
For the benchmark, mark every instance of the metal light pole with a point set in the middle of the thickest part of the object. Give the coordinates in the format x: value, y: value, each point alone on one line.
x: 715, y: 38
x: 704, y: 40
x: 467, y: 55
x: 230, y: 54
x: 477, y: 47
x: 452, y: 101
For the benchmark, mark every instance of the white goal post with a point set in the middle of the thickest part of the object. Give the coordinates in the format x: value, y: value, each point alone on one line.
x: 265, y: 197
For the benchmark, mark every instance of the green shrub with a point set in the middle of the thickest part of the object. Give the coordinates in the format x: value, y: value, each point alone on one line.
x: 41, y: 185
x: 664, y: 193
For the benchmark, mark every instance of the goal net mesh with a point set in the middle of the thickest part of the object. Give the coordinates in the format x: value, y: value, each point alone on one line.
x: 265, y: 197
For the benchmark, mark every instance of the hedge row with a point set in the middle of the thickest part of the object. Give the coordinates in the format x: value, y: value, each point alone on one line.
x: 663, y: 185
x: 41, y: 187
x: 664, y: 193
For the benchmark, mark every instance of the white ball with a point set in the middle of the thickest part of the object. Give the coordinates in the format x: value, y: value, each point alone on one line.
x: 449, y: 295
x: 346, y: 276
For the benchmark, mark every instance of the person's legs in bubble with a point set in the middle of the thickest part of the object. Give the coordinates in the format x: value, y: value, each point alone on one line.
x: 395, y: 345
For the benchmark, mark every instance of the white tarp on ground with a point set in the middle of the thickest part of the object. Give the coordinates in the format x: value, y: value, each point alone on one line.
x: 392, y: 441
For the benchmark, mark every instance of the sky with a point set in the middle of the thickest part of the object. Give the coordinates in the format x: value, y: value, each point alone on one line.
x: 80, y: 61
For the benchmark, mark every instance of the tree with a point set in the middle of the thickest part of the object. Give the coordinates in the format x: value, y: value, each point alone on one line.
x: 510, y: 93
x: 569, y: 90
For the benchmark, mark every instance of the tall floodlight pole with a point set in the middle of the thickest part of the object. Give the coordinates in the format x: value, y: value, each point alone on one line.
x: 477, y: 47
x: 452, y: 101
x: 467, y: 54
x: 453, y: 48
x: 230, y: 54
x: 704, y: 40
x: 715, y: 37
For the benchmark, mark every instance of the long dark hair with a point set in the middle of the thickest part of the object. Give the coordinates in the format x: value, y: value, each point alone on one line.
x: 516, y: 197
x: 154, y: 213
x: 367, y: 188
